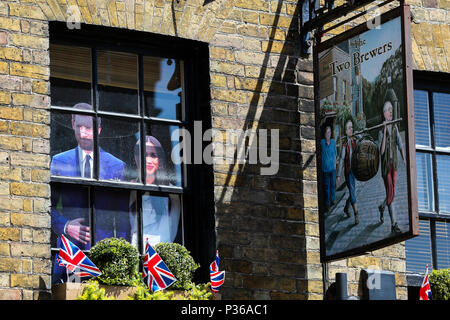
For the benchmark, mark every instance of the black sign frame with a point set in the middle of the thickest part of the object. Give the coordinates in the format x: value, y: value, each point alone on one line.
x: 403, y: 11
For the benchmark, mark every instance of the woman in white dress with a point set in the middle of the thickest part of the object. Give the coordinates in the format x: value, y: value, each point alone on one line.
x: 160, y: 214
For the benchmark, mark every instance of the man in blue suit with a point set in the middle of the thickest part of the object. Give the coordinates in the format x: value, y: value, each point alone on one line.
x: 70, y: 203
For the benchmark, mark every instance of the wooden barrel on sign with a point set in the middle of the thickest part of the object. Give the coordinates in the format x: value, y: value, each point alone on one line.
x: 365, y: 159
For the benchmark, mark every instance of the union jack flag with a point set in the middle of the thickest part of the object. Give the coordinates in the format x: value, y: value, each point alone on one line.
x: 425, y: 290
x: 75, y: 261
x: 217, y: 277
x: 155, y: 272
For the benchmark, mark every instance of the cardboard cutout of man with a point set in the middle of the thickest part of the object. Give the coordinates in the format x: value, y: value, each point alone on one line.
x: 70, y: 206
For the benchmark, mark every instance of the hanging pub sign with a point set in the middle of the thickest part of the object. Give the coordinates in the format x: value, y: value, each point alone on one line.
x: 365, y: 137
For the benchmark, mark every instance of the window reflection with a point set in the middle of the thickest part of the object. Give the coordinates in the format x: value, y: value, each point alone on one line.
x: 111, y: 215
x: 70, y: 69
x: 163, y: 87
x: 116, y: 149
x: 69, y: 217
x: 442, y: 119
x: 160, y: 219
x: 62, y: 136
x: 117, y: 82
x: 443, y: 167
x: 421, y: 118
x: 424, y: 182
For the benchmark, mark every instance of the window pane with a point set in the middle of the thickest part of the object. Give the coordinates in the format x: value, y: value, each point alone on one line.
x: 443, y: 244
x: 117, y: 82
x: 162, y: 170
x: 422, y: 118
x: 163, y: 87
x: 70, y: 70
x: 161, y: 218
x: 70, y: 215
x: 117, y: 142
x: 442, y: 119
x: 418, y: 250
x: 112, y: 216
x: 71, y: 139
x: 443, y: 168
x: 424, y: 181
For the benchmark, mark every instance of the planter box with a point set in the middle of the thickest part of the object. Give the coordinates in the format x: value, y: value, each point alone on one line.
x: 70, y: 291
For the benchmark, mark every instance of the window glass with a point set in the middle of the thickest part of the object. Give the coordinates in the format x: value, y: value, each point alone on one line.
x: 163, y: 87
x: 162, y: 170
x: 418, y: 250
x: 161, y: 218
x: 112, y: 216
x: 442, y: 119
x: 422, y: 119
x: 443, y: 244
x: 117, y: 82
x: 70, y: 70
x: 70, y: 215
x: 117, y: 140
x: 424, y: 181
x: 62, y: 137
x: 71, y: 142
x: 443, y: 168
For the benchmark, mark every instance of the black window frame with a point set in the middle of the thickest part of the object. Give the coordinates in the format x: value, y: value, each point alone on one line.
x: 431, y: 82
x: 197, y: 193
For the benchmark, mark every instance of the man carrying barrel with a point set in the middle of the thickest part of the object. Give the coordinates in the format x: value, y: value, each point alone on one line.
x: 346, y: 161
x: 389, y: 141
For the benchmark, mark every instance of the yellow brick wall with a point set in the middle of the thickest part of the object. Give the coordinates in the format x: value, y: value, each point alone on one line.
x: 267, y: 227
x: 24, y: 147
x: 431, y: 35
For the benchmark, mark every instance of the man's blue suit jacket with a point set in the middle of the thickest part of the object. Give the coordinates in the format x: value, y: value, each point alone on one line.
x: 71, y: 201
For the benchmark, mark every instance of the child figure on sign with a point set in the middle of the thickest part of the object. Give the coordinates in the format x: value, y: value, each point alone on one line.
x: 346, y: 161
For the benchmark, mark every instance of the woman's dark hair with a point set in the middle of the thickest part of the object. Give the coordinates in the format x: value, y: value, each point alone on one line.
x: 162, y: 174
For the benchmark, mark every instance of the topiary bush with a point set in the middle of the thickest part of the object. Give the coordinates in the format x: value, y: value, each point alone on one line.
x: 180, y: 262
x: 440, y: 284
x: 118, y: 261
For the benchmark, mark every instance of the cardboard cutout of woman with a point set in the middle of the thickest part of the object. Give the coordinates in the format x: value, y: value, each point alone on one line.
x: 160, y: 214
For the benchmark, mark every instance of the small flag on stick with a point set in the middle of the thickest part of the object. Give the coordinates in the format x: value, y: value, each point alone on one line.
x: 425, y: 290
x: 75, y: 261
x: 156, y: 274
x: 217, y: 277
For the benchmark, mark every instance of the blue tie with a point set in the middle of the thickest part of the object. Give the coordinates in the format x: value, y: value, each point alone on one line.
x: 87, y: 167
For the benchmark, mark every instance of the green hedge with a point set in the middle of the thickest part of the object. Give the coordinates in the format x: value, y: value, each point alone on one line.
x: 118, y: 261
x: 440, y: 284
x: 180, y: 263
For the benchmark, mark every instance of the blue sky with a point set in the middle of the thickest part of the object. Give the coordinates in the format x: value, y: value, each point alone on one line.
x: 390, y: 31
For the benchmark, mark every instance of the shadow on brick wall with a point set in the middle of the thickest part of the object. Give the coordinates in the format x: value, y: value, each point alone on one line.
x: 261, y: 218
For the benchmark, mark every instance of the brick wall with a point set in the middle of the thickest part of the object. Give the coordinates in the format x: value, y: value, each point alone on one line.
x: 261, y: 220
x: 24, y: 159
x: 267, y: 226
x: 431, y: 34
